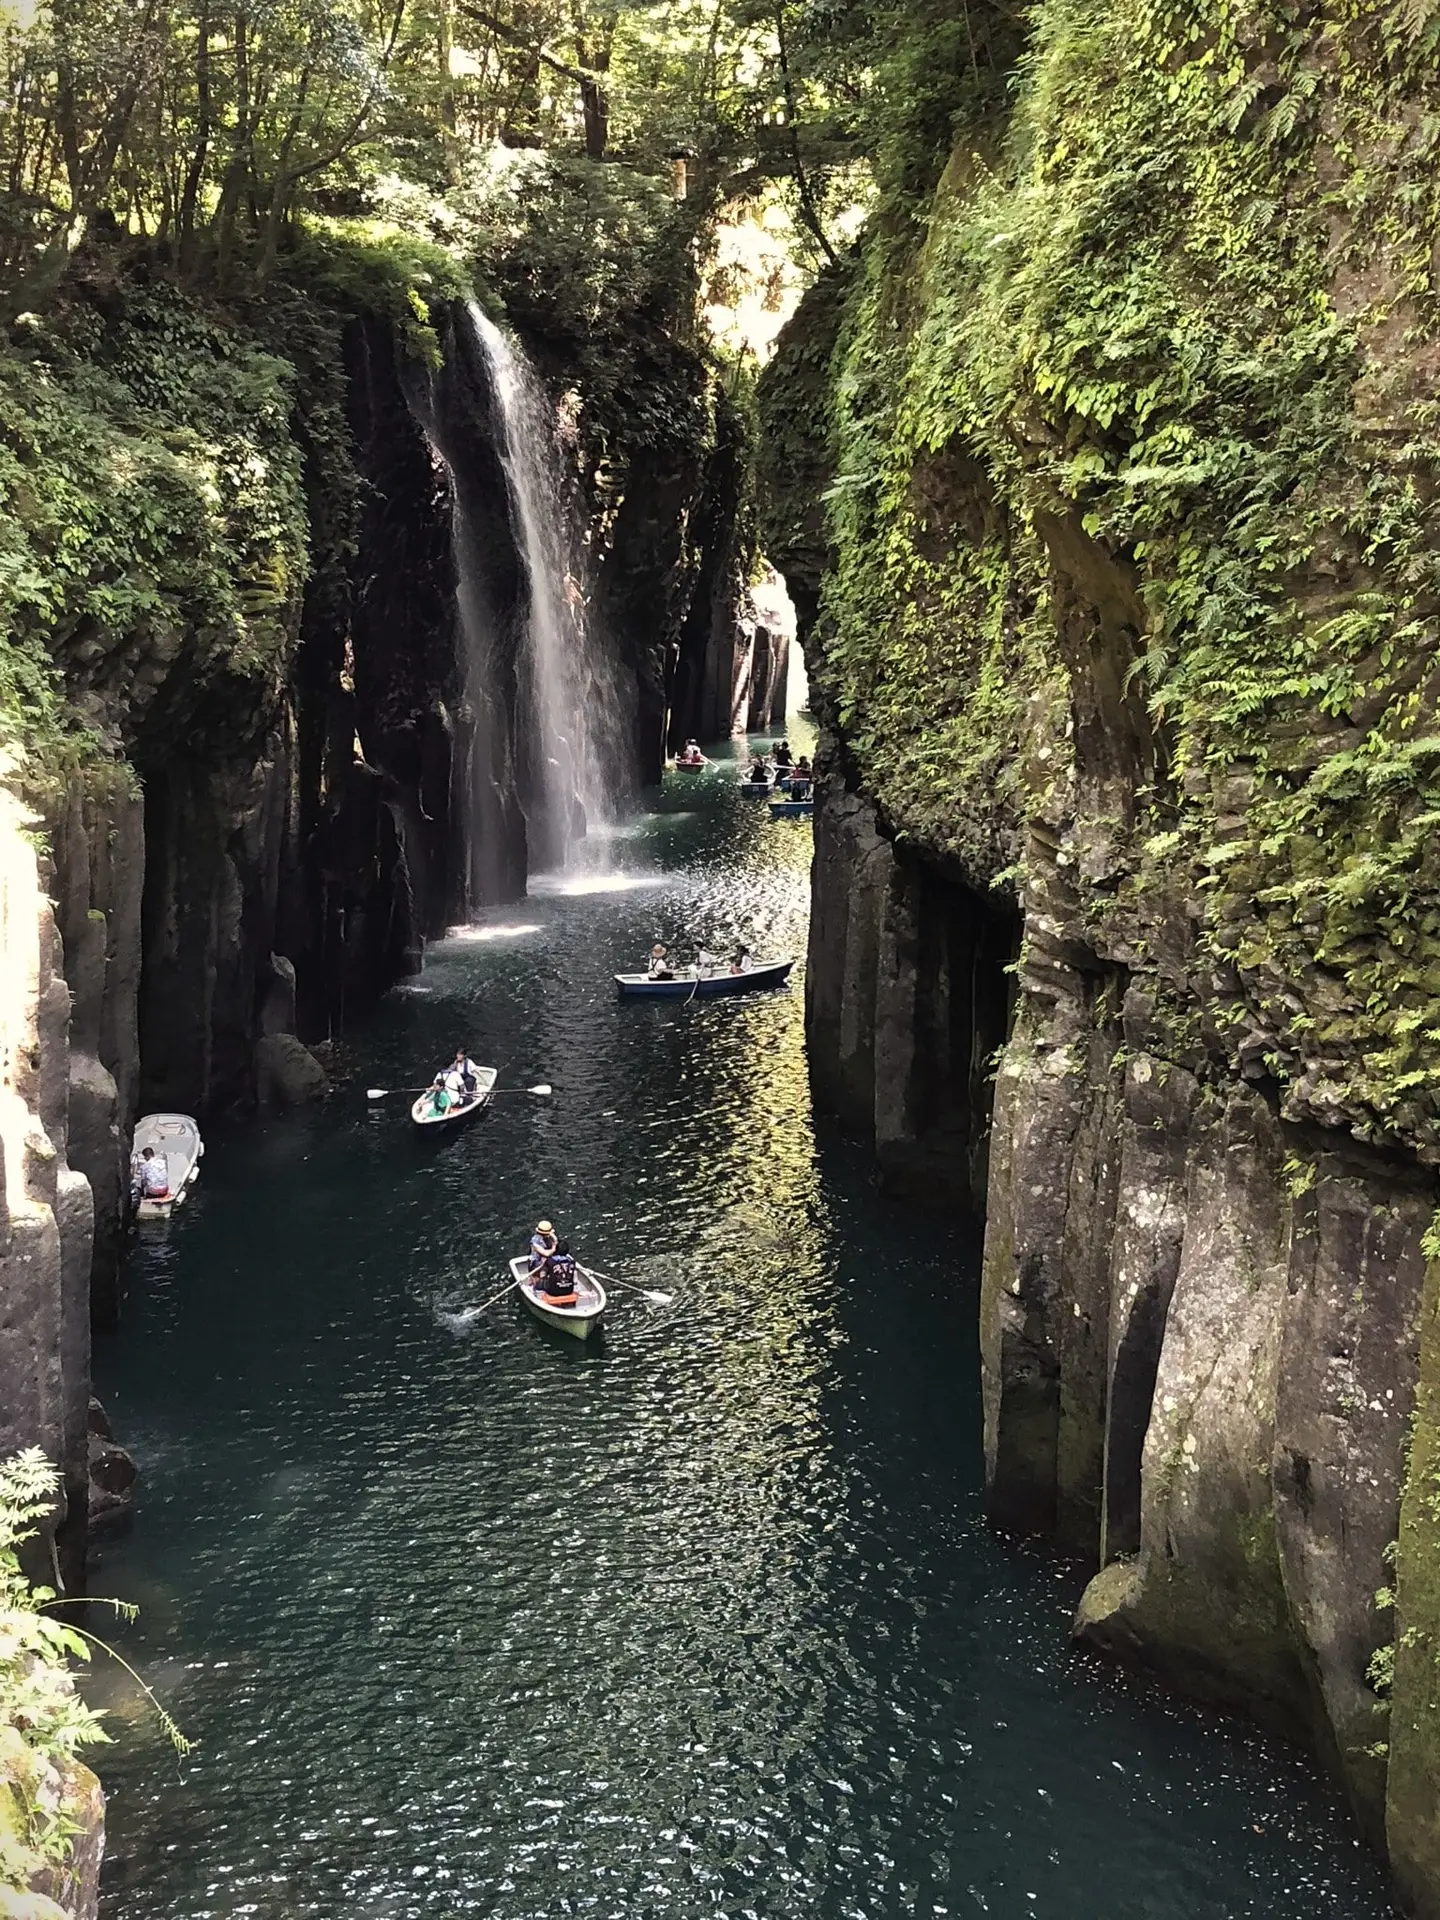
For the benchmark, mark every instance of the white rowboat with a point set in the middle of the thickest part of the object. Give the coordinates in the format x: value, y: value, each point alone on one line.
x: 582, y: 1319
x: 176, y: 1140
x: 485, y: 1092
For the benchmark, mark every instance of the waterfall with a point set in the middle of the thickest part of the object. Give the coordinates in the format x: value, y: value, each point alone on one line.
x: 567, y: 721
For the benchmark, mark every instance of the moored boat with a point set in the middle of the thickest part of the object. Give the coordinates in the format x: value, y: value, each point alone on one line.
x: 422, y: 1115
x: 791, y: 809
x: 582, y: 1319
x: 766, y: 973
x: 175, y: 1139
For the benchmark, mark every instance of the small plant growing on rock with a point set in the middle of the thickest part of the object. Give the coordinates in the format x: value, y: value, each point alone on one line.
x: 43, y: 1721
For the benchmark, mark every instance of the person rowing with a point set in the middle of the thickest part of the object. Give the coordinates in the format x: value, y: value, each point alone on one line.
x: 759, y: 774
x: 782, y: 754
x: 559, y: 1283
x: 660, y: 967
x: 469, y: 1074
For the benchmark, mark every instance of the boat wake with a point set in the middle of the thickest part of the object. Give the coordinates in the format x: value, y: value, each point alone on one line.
x: 458, y: 1320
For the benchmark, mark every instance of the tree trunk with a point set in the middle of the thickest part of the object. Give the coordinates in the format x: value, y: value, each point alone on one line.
x: 195, y: 172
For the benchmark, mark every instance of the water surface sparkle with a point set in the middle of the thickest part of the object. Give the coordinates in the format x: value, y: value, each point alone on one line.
x: 469, y: 1621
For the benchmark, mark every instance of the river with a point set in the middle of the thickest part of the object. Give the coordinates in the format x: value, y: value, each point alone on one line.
x: 467, y: 1620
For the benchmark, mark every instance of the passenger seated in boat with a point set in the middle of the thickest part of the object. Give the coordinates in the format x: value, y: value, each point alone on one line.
x: 543, y: 1247
x: 559, y: 1282
x: 740, y: 961
x: 440, y: 1100
x: 759, y: 774
x: 799, y: 785
x: 152, y: 1177
x: 660, y: 967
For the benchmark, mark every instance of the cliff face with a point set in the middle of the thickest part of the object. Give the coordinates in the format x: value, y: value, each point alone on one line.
x: 1125, y: 646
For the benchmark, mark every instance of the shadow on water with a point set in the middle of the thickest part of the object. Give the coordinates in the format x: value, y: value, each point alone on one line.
x: 467, y: 1618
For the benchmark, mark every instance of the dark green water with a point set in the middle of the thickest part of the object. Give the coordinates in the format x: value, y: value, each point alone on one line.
x: 471, y: 1621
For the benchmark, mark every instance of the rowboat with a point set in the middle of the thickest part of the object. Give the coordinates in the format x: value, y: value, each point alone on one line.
x: 582, y: 1319
x: 176, y: 1140
x: 692, y: 766
x: 484, y: 1093
x: 791, y: 809
x: 755, y: 789
x: 769, y: 973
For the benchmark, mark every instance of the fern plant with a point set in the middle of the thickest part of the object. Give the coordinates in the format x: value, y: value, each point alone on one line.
x: 43, y: 1721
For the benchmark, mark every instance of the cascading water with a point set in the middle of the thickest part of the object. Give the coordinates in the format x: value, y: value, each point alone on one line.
x: 569, y: 732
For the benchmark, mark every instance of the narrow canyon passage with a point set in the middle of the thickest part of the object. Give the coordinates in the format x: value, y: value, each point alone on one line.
x: 464, y: 1621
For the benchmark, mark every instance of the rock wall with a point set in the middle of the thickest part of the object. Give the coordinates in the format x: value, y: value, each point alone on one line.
x: 47, y: 1214
x: 1121, y: 675
x: 727, y: 673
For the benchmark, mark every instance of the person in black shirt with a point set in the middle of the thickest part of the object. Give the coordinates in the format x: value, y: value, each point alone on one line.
x: 560, y: 1289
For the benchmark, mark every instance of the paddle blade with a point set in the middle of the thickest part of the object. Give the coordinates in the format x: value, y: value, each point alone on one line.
x: 658, y: 1299
x: 542, y: 1091
x: 376, y: 1093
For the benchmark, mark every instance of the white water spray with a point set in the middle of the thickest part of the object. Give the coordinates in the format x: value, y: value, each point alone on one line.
x: 569, y: 718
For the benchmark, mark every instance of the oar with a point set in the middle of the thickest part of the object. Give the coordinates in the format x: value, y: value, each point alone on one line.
x: 650, y: 1293
x: 494, y: 1300
x: 542, y: 1092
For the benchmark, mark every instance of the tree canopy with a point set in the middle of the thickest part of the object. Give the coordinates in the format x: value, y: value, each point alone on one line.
x: 211, y: 127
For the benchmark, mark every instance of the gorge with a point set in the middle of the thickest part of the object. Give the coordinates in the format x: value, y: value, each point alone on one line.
x: 368, y: 547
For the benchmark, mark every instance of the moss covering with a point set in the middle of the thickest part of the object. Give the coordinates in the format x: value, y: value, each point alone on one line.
x: 1413, y: 1781
x: 1174, y: 315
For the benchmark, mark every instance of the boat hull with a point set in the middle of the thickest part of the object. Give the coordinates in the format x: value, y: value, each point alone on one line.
x: 640, y: 986
x: 457, y: 1115
x: 791, y: 809
x: 755, y: 789
x: 581, y: 1322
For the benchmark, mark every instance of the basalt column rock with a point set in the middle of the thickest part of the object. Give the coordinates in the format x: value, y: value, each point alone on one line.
x: 46, y: 1211
x: 906, y: 1000
x: 98, y: 843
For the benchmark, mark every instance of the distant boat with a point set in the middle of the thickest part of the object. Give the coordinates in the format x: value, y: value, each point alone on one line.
x: 582, y: 1319
x: 176, y: 1140
x: 422, y: 1115
x: 691, y: 766
x: 770, y: 973
x: 791, y: 809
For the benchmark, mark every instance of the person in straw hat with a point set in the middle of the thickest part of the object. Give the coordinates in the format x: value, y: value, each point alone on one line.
x: 542, y: 1245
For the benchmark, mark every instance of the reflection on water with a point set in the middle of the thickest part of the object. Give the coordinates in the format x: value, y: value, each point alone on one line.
x: 470, y: 1620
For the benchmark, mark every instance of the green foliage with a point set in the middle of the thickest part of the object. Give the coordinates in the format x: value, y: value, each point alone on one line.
x: 150, y: 508
x: 43, y: 1723
x: 1147, y: 376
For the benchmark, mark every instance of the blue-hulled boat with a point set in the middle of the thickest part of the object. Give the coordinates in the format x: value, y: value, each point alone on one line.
x: 768, y: 973
x: 791, y: 809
